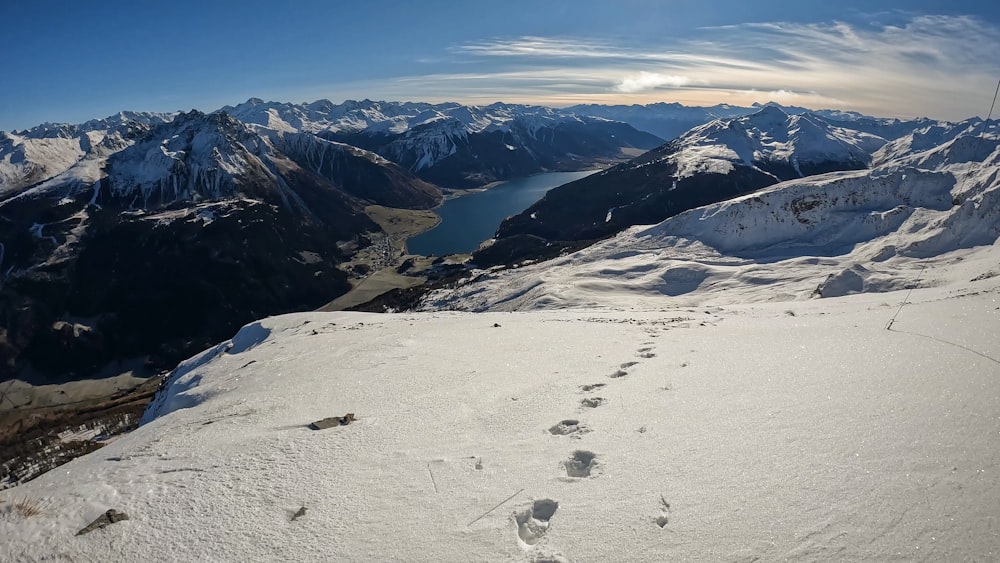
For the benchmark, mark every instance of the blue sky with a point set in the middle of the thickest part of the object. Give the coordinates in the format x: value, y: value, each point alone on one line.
x: 69, y: 61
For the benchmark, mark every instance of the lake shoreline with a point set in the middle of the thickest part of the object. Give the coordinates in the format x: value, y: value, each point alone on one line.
x: 451, y: 194
x: 469, y: 219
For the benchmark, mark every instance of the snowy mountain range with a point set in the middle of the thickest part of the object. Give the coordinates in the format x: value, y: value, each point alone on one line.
x: 803, y: 373
x: 93, y: 212
x: 712, y: 162
x: 671, y: 120
x: 152, y: 236
x: 454, y: 145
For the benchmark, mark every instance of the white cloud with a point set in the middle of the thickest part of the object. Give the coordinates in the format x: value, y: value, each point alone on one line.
x: 939, y: 66
x: 644, y: 81
x: 551, y: 47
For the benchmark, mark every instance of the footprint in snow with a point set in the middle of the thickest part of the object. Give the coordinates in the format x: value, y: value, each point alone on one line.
x: 592, y: 402
x: 591, y: 387
x: 645, y: 353
x: 533, y: 522
x: 581, y: 464
x: 621, y: 372
x: 568, y: 427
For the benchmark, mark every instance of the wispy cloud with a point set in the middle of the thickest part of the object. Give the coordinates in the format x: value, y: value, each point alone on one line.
x: 553, y: 48
x: 940, y: 66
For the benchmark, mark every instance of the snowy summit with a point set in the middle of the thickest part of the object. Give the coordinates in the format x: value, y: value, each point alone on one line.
x: 824, y: 389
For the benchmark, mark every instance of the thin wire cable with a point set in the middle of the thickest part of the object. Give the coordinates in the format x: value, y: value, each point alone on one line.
x: 949, y: 343
x: 989, y: 116
x: 907, y: 298
x: 994, y: 102
x: 980, y: 137
x: 915, y: 282
x: 494, y: 508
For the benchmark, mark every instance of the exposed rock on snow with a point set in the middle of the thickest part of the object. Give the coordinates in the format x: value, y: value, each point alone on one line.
x: 333, y: 421
x: 110, y: 517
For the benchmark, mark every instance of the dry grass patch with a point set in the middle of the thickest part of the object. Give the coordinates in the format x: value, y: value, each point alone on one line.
x: 401, y: 224
x: 28, y: 507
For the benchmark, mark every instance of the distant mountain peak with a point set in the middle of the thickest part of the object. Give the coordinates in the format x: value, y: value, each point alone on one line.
x: 772, y: 109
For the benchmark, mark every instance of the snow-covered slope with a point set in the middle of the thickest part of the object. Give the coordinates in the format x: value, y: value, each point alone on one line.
x: 196, y: 157
x: 713, y: 162
x: 928, y: 135
x: 769, y: 140
x: 27, y: 160
x: 50, y: 150
x: 924, y: 204
x: 874, y: 227
x: 787, y: 431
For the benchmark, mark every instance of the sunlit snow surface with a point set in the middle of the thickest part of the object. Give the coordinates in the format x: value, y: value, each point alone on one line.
x: 801, y: 431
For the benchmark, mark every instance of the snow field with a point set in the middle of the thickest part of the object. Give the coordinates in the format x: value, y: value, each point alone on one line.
x: 800, y: 431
